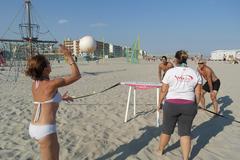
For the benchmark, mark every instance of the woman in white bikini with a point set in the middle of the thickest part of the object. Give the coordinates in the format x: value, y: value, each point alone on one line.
x: 46, y: 101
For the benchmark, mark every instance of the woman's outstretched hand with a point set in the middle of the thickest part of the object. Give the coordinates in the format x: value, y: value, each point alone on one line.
x: 65, y: 51
x: 66, y: 97
x: 159, y: 107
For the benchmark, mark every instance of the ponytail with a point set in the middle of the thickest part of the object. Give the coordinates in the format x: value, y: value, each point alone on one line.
x: 181, y: 56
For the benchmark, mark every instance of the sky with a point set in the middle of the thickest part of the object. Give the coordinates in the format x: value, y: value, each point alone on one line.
x: 164, y: 26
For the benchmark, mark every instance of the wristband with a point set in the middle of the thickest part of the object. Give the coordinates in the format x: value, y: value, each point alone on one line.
x: 71, y: 63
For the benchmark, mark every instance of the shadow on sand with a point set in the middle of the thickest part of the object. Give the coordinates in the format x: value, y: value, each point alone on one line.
x: 97, y: 73
x: 209, y: 129
x: 203, y: 132
x: 134, y: 146
x: 142, y: 113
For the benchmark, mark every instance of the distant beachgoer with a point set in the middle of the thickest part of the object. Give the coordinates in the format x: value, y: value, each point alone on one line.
x: 46, y: 101
x: 163, y: 67
x: 76, y: 59
x: 58, y: 60
x: 2, y: 60
x: 224, y: 57
x: 181, y: 86
x: 212, y: 84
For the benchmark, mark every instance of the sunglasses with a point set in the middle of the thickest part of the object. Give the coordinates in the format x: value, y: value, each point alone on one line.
x: 201, y: 63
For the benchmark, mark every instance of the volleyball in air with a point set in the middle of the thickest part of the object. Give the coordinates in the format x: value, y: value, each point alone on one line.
x: 87, y: 44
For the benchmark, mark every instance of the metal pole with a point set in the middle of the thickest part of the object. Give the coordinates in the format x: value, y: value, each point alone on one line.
x: 128, y: 101
x: 158, y: 112
x: 103, y: 55
x: 28, y: 10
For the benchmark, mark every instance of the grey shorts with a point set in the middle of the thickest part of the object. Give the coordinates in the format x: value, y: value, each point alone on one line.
x: 183, y: 114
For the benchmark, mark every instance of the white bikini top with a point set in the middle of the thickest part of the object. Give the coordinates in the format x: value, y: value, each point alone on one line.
x: 57, y: 98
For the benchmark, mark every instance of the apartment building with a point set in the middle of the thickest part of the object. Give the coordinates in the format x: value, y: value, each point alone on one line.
x: 68, y: 43
x: 76, y: 48
x: 116, y: 51
x: 102, y: 49
x: 72, y: 45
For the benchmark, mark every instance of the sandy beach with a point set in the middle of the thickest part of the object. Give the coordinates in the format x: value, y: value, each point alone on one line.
x: 93, y: 127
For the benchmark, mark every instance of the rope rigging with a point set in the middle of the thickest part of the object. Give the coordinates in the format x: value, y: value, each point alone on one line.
x: 10, y: 25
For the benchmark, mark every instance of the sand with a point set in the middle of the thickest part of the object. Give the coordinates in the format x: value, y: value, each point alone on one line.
x: 93, y: 127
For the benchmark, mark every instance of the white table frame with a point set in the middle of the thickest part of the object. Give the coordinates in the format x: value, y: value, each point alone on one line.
x: 134, y: 102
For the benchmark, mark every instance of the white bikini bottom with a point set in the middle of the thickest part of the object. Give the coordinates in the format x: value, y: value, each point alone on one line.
x: 39, y: 131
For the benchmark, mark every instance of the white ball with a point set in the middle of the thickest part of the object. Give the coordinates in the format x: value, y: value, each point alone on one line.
x: 87, y: 44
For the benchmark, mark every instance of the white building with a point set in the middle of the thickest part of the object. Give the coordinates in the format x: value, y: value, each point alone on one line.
x: 227, y: 54
x: 72, y: 45
x: 110, y: 48
x: 76, y: 49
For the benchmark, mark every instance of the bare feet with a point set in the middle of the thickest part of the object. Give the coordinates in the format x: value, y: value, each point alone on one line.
x: 216, y: 110
x: 201, y: 107
x: 158, y: 152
